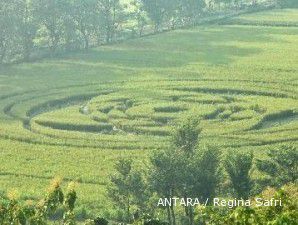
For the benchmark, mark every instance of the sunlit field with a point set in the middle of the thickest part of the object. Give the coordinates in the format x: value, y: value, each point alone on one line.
x: 276, y: 17
x: 76, y: 115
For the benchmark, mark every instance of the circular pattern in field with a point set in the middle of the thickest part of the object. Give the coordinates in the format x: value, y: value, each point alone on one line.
x: 141, y: 114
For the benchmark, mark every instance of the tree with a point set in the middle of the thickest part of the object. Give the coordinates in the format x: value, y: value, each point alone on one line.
x: 201, y: 177
x: 51, y: 14
x: 162, y: 177
x: 127, y: 189
x: 228, y: 2
x: 218, y: 2
x: 8, y: 27
x: 156, y: 10
x: 120, y: 189
x: 18, y: 29
x: 139, y: 15
x: 281, y: 165
x: 192, y: 9
x: 237, y: 3
x: 185, y: 141
x: 27, y: 26
x: 187, y: 169
x: 205, y: 170
x: 238, y: 166
x: 186, y: 135
x: 83, y: 14
x: 111, y: 12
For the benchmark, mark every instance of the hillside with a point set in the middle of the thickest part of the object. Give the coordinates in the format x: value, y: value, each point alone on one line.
x: 74, y: 116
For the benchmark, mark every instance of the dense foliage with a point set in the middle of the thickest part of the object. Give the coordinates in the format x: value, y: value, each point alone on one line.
x: 190, y: 171
x: 16, y: 212
x: 30, y: 212
x: 33, y: 28
x: 281, y: 167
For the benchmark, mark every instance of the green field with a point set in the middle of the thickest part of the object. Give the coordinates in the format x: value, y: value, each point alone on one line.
x: 276, y: 17
x: 74, y: 116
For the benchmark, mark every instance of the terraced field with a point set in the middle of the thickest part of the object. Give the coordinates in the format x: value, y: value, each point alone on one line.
x: 76, y: 115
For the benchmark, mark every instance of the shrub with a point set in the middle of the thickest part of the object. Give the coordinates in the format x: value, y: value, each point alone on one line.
x: 101, y: 221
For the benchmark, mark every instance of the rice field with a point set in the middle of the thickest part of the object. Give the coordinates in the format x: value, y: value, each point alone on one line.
x: 76, y: 115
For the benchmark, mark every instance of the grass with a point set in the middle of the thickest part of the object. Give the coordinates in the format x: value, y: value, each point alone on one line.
x: 75, y: 116
x: 277, y: 17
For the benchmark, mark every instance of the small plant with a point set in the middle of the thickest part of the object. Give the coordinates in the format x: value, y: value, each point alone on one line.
x: 14, y: 211
x: 101, y: 221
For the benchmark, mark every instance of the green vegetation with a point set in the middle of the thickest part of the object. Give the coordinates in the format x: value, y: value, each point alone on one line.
x: 277, y: 17
x: 238, y: 166
x: 76, y: 115
x: 34, y: 29
x: 14, y: 211
x: 187, y: 177
x: 280, y: 168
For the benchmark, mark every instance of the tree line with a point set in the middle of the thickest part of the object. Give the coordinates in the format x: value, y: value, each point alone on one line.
x: 189, y: 169
x: 31, y: 28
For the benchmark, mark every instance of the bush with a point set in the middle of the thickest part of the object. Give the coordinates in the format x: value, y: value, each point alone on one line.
x: 101, y: 221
